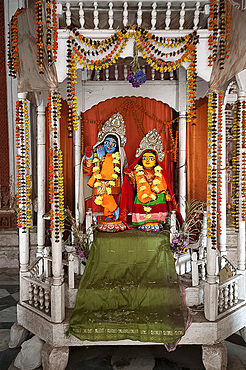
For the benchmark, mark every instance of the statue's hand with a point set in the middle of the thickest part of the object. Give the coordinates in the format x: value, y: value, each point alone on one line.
x: 89, y: 152
x: 100, y: 151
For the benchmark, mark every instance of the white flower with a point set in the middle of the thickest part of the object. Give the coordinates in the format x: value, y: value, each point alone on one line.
x: 158, y: 169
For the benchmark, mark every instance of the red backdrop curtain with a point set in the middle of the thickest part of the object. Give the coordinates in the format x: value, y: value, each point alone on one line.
x: 197, y: 153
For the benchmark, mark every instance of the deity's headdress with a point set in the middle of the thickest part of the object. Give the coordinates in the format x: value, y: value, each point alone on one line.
x: 151, y: 141
x: 115, y: 125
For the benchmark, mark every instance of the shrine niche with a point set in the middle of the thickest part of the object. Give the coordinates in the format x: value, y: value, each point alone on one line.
x: 147, y: 281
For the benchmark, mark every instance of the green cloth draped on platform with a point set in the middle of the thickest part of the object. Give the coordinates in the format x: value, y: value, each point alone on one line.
x: 129, y: 290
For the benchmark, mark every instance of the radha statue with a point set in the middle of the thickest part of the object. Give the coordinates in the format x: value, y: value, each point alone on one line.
x: 102, y: 171
x: 146, y: 192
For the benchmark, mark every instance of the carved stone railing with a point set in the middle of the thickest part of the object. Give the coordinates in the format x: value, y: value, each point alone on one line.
x: 153, y: 15
x: 228, y: 295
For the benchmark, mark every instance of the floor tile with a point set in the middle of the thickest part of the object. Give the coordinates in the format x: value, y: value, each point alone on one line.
x: 7, y: 302
x: 16, y: 296
x: 8, y: 315
x: 3, y: 293
x: 12, y: 288
x: 4, y: 339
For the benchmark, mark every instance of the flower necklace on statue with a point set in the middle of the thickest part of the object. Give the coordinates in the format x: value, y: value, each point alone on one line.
x: 148, y: 192
x: 110, y: 183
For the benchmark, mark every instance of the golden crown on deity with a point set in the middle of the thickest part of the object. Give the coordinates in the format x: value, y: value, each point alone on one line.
x: 115, y: 125
x: 151, y: 141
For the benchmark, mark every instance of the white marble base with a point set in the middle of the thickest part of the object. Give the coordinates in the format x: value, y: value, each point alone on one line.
x: 214, y: 357
x: 54, y: 358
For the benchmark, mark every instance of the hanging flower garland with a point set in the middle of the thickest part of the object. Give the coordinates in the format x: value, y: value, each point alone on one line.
x: 220, y: 28
x: 236, y: 165
x: 54, y: 30
x: 23, y: 196
x: 49, y: 32
x: 13, y: 55
x: 39, y: 35
x: 244, y: 161
x: 209, y: 166
x: 56, y: 187
x: 191, y: 87
x: 219, y: 160
x: 214, y: 171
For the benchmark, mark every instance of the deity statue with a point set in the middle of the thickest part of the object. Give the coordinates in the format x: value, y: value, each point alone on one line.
x: 102, y: 168
x: 146, y: 191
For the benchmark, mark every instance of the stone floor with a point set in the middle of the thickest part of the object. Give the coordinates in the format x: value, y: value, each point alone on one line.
x: 110, y: 357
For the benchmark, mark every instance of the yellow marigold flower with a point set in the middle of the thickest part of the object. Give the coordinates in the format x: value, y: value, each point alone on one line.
x: 156, y: 182
x: 158, y: 174
x: 144, y: 196
x: 95, y: 160
x: 147, y: 216
x: 116, y: 161
x: 158, y: 169
x: 138, y: 167
x: 96, y: 168
x: 97, y: 183
x: 98, y: 176
x: 117, y: 169
x: 142, y: 188
x: 155, y: 188
x: 140, y: 173
x: 115, y: 176
x: 112, y: 183
x: 153, y: 196
x: 109, y: 191
x: 147, y: 209
x: 116, y: 155
x: 98, y: 200
x: 141, y: 181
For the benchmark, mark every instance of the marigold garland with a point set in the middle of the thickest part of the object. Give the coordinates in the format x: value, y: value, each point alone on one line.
x: 219, y: 25
x: 23, y: 194
x: 219, y: 160
x: 13, y: 55
x: 209, y: 166
x: 244, y: 161
x: 236, y: 165
x: 54, y: 30
x: 56, y: 181
x: 39, y: 35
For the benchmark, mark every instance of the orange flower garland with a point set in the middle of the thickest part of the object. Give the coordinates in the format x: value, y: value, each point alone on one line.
x: 13, y: 55
x: 56, y: 187
x: 54, y: 29
x: 236, y: 165
x: 191, y: 87
x: 219, y: 161
x: 23, y: 194
x: 244, y: 161
x: 39, y: 35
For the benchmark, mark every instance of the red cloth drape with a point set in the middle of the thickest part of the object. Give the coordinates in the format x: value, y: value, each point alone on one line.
x: 197, y: 153
x: 133, y: 133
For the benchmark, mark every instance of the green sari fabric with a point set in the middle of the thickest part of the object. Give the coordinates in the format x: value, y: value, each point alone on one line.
x: 129, y: 290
